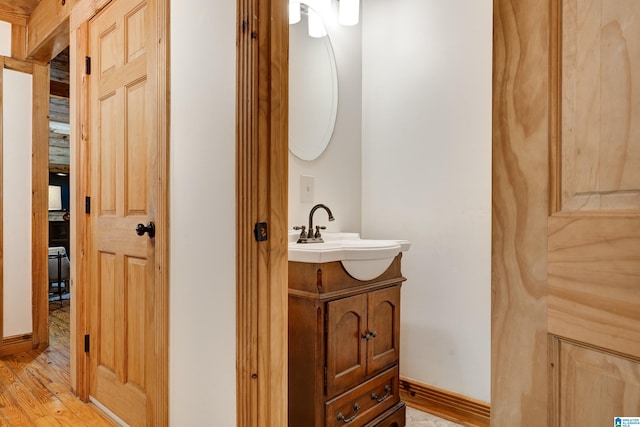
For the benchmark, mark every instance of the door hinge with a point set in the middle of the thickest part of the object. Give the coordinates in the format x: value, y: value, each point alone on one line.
x: 87, y: 343
x: 87, y: 205
x: 87, y: 65
x: 326, y: 372
x: 326, y: 322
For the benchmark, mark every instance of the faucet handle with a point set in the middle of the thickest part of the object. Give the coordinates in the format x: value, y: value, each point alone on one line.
x: 303, y: 233
x: 317, y: 235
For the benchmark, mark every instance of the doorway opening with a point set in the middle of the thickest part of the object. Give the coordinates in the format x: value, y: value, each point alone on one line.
x: 59, y: 256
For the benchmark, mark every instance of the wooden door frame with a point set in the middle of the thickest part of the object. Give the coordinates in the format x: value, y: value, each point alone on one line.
x: 519, y: 339
x: 261, y: 196
x: 523, y: 128
x: 38, y: 339
x: 80, y: 113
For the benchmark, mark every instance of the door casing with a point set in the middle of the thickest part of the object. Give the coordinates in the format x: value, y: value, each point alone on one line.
x: 39, y: 338
x: 261, y: 196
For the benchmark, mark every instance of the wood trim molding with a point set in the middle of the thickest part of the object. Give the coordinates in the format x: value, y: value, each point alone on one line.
x: 16, y: 344
x: 7, y: 14
x: 160, y: 12
x: 445, y: 404
x: 39, y: 338
x: 39, y: 206
x: 18, y: 41
x: 261, y: 188
x: 52, y: 21
x: 520, y: 207
x: 79, y: 180
x: 48, y: 29
x: 2, y: 61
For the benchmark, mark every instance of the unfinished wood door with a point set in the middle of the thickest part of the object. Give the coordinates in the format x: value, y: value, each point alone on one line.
x: 566, y: 220
x: 594, y: 233
x: 124, y: 316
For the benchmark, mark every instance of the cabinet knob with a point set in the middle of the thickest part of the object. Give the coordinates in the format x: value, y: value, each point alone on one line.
x: 369, y: 335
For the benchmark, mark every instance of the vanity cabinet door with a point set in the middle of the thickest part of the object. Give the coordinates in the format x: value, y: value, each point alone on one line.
x: 346, y: 345
x: 383, y: 327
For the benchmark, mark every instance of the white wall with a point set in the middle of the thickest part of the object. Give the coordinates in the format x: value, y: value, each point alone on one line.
x: 337, y: 172
x: 5, y: 38
x: 16, y: 193
x: 202, y: 348
x: 426, y: 163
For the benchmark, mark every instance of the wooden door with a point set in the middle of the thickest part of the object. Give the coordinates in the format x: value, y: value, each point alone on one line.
x: 566, y: 220
x: 124, y: 319
x: 346, y: 345
x: 383, y: 325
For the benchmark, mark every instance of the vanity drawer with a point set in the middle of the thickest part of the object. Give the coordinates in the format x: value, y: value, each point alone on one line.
x: 362, y: 404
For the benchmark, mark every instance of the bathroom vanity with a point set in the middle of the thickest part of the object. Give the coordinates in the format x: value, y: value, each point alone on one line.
x: 344, y: 337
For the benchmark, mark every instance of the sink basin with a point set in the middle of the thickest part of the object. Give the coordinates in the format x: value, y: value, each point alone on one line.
x: 363, y: 259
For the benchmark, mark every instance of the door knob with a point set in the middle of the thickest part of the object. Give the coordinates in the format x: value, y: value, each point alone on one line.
x: 150, y: 229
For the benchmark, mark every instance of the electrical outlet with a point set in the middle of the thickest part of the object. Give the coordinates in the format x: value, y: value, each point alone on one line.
x: 306, y: 188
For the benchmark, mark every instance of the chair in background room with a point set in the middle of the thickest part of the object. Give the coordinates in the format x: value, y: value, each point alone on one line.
x: 58, y: 272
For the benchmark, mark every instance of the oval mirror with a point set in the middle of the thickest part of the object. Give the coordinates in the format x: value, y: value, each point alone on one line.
x: 313, y: 90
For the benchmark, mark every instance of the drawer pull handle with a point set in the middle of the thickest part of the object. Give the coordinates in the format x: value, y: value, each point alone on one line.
x: 375, y: 397
x: 352, y: 417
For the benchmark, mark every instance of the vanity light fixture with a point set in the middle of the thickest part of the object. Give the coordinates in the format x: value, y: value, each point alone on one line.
x: 320, y: 6
x: 316, y: 26
x: 294, y: 12
x: 348, y: 13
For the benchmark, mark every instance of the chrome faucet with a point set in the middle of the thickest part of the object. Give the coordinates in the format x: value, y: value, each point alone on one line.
x: 308, y: 236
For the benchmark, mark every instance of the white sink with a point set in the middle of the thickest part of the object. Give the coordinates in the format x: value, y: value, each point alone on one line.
x: 364, y: 259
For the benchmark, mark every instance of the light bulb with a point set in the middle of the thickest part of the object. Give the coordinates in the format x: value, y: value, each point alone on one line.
x: 316, y: 26
x: 319, y: 6
x: 294, y: 12
x: 349, y: 11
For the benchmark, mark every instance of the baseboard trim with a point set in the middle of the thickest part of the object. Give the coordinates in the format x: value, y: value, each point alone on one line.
x: 16, y: 344
x: 445, y: 404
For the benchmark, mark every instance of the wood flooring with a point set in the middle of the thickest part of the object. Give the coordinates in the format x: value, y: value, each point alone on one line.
x: 35, y: 387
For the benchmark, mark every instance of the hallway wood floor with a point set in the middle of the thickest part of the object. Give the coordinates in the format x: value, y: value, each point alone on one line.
x: 35, y: 387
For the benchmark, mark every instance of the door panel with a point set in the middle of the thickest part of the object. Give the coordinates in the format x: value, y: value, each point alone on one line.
x: 384, y: 321
x: 600, y: 104
x: 122, y: 324
x: 594, y: 281
x: 610, y: 382
x: 136, y: 150
x: 346, y: 349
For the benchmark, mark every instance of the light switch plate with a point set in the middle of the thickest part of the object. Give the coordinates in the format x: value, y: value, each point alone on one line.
x: 306, y: 188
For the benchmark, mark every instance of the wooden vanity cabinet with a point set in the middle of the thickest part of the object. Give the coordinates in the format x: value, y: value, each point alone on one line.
x: 344, y: 337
